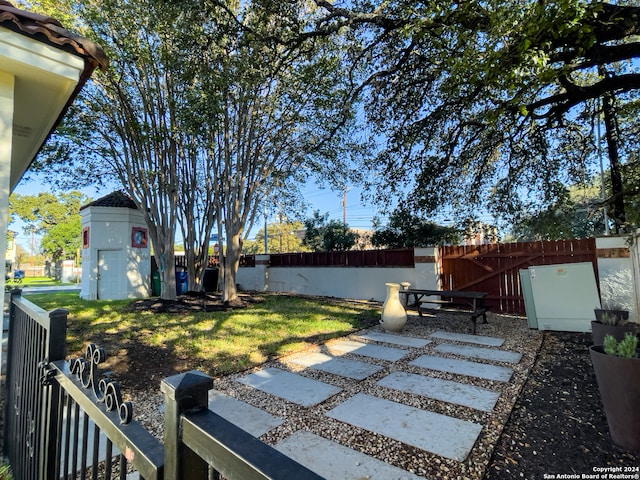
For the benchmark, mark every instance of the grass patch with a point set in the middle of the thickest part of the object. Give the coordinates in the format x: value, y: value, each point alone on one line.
x: 217, y: 343
x: 36, y: 282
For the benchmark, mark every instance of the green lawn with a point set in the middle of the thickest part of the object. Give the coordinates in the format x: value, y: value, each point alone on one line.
x: 217, y: 343
x: 35, y: 282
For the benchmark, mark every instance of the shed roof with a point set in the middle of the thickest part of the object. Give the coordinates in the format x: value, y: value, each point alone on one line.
x: 117, y: 199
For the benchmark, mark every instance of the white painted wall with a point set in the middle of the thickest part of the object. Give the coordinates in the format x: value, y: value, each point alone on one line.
x: 110, y: 230
x: 6, y: 135
x: 362, y: 283
x: 617, y: 285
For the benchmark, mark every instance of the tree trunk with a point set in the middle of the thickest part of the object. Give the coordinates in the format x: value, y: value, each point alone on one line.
x: 168, y: 274
x: 231, y: 263
x: 611, y: 133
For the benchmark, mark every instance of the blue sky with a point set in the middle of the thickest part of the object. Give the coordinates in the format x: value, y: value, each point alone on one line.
x: 358, y: 214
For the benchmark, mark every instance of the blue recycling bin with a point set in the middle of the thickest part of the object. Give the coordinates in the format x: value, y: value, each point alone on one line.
x: 182, y: 282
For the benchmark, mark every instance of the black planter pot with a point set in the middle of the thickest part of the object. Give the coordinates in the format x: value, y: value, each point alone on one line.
x: 599, y: 330
x: 619, y: 384
x: 620, y: 315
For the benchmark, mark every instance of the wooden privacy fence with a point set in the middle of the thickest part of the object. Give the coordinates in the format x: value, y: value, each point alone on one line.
x: 494, y: 268
x: 350, y: 258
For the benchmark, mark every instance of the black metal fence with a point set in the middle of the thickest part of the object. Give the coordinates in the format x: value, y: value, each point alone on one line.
x: 63, y: 420
x: 35, y: 338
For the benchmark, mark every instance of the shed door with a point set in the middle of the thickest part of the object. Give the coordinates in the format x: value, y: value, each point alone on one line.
x: 110, y: 274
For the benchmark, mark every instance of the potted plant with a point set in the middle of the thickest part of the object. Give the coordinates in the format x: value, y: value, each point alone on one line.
x: 617, y: 368
x: 611, y: 320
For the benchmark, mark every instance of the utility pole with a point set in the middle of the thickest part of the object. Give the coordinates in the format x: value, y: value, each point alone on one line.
x: 344, y: 207
x: 266, y: 236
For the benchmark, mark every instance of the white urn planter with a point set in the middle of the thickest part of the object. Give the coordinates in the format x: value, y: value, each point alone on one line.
x: 394, y: 316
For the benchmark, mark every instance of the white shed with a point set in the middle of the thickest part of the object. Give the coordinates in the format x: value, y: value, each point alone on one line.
x: 116, y: 262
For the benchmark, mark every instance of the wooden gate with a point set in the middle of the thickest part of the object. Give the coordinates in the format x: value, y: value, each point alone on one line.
x: 494, y: 268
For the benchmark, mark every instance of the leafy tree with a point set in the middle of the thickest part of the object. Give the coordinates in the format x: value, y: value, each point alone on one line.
x: 263, y: 116
x: 282, y: 237
x: 492, y: 103
x: 338, y: 237
x: 129, y: 125
x: 579, y: 211
x: 45, y: 210
x: 324, y: 235
x: 62, y: 241
x: 22, y: 256
x: 55, y: 217
x: 206, y: 106
x: 405, y: 230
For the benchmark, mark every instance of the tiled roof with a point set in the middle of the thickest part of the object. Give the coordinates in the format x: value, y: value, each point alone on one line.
x: 116, y: 199
x: 49, y: 30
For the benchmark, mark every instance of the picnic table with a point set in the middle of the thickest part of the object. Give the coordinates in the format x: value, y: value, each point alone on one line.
x: 450, y: 300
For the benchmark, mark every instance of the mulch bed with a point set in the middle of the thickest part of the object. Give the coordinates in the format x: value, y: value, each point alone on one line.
x: 192, y: 302
x: 557, y: 426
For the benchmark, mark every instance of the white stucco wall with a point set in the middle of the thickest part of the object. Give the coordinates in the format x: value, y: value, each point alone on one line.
x: 110, y: 233
x: 362, y: 283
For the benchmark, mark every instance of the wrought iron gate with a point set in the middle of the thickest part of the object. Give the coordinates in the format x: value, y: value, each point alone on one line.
x: 63, y: 420
x: 36, y: 337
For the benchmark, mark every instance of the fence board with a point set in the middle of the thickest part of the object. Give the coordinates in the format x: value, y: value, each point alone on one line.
x: 350, y: 258
x: 494, y: 268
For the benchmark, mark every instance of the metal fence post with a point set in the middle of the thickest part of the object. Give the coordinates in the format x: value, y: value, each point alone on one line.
x: 184, y: 392
x: 57, y: 347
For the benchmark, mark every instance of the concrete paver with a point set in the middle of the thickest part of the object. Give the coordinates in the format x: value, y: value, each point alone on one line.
x: 464, y: 367
x: 395, y: 339
x: 249, y: 418
x: 479, y: 352
x: 338, y: 462
x: 420, y: 428
x: 290, y: 386
x: 367, y: 350
x: 465, y: 337
x: 344, y: 367
x: 445, y: 390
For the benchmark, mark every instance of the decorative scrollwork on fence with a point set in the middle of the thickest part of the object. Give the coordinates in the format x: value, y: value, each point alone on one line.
x: 105, y: 390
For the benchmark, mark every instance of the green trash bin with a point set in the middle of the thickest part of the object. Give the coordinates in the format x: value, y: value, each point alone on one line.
x: 156, y: 288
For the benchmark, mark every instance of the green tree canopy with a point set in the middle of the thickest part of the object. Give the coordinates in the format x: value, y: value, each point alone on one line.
x: 62, y: 241
x: 55, y: 217
x: 324, y: 235
x: 492, y: 103
x: 282, y: 237
x: 405, y: 230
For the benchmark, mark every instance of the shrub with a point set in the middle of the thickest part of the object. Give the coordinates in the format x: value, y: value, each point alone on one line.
x: 625, y: 348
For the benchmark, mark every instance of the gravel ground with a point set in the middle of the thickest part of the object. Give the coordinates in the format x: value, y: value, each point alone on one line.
x: 548, y: 421
x: 518, y: 338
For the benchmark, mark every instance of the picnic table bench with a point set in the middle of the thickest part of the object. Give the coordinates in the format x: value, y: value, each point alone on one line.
x: 451, y: 300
